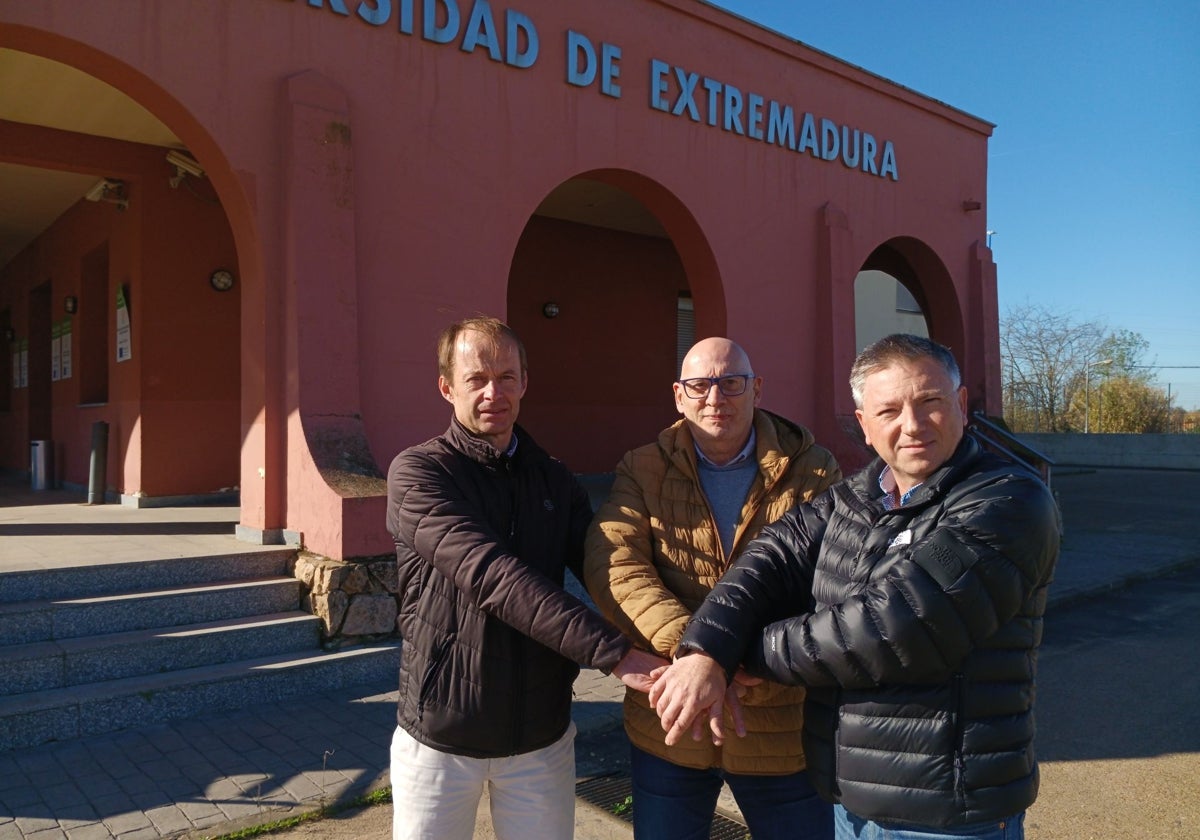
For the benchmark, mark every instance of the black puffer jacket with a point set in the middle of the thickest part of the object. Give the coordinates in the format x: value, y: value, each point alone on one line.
x: 916, y: 631
x: 491, y: 641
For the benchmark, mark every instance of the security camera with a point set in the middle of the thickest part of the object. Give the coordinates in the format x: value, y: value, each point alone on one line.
x: 111, y: 190
x: 96, y: 193
x: 185, y: 163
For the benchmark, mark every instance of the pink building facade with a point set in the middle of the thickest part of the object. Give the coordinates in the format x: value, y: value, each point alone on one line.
x: 374, y: 170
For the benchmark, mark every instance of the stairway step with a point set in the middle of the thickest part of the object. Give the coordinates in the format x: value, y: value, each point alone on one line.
x: 112, y: 578
x: 67, y: 618
x: 42, y: 666
x: 60, y: 714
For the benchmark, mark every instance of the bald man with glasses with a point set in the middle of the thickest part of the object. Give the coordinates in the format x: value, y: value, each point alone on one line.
x: 680, y: 510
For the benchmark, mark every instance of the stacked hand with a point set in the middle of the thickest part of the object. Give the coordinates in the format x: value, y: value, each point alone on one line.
x: 684, y: 692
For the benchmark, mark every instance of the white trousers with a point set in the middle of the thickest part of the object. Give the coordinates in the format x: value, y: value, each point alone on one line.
x: 435, y: 795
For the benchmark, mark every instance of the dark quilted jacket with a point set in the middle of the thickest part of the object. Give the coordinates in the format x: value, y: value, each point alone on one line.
x: 916, y: 631
x: 491, y: 641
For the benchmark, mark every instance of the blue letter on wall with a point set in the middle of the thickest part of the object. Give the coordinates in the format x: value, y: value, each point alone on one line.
x: 481, y: 29
x: 378, y: 15
x: 516, y: 24
x: 578, y: 45
x: 830, y: 140
x: 609, y: 71
x: 440, y: 34
x: 334, y: 6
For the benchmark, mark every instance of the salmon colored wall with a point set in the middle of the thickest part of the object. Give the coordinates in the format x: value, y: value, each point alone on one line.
x: 172, y: 407
x: 617, y: 294
x: 452, y: 152
x: 190, y: 335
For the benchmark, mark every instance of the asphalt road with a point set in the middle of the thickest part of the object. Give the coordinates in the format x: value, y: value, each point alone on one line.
x: 1119, y: 716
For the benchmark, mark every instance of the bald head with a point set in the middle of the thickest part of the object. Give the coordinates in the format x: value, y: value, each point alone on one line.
x: 716, y: 394
x: 703, y: 353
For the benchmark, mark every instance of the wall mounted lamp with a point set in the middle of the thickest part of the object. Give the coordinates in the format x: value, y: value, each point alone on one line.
x: 971, y: 205
x: 71, y: 304
x: 10, y: 335
x: 221, y: 280
x: 550, y: 309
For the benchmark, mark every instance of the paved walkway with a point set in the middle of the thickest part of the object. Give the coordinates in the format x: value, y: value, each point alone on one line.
x: 210, y: 775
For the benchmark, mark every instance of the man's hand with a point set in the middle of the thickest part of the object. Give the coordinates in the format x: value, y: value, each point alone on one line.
x: 639, y: 669
x: 692, y: 685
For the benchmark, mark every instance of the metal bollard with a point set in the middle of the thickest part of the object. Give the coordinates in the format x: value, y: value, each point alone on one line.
x: 41, y: 465
x: 98, y: 471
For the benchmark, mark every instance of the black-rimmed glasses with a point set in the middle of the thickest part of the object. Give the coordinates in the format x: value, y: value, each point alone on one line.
x: 730, y: 385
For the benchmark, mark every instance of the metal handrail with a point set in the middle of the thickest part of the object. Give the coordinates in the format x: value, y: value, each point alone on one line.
x: 1004, y: 442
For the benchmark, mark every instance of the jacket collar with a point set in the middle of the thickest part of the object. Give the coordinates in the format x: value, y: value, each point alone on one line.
x: 948, y: 474
x: 778, y: 440
x: 479, y: 450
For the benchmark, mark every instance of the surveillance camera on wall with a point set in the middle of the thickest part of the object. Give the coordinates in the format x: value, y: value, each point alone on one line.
x: 96, y: 193
x: 185, y: 164
x: 111, y: 190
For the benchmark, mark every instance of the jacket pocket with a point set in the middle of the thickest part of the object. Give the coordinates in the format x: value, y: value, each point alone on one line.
x: 433, y: 666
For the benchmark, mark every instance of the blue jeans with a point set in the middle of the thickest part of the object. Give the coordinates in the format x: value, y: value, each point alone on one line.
x: 677, y: 803
x: 849, y: 827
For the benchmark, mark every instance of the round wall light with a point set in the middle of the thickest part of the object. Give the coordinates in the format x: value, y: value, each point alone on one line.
x: 221, y: 280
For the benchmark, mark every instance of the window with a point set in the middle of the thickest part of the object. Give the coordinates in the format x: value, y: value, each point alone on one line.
x: 685, y: 329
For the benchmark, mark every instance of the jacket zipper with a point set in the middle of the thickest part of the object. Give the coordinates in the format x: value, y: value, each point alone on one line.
x: 960, y: 725
x: 518, y: 659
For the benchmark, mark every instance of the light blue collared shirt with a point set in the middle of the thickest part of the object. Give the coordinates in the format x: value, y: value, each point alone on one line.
x: 747, y: 452
x: 887, y: 483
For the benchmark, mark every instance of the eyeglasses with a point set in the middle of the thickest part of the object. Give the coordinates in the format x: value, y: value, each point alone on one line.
x: 730, y: 385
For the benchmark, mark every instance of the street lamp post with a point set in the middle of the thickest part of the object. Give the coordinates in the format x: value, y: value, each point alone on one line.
x: 1087, y: 389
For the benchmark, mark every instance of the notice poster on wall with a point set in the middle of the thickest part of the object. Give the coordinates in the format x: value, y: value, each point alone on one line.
x: 124, y: 341
x: 16, y: 360
x: 55, y: 352
x: 65, y: 349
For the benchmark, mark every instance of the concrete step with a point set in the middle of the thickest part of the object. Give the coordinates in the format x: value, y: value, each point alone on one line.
x: 60, y: 714
x: 112, y: 578
x: 39, y: 621
x: 42, y: 666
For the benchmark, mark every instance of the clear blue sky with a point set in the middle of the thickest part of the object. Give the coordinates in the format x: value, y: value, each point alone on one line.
x: 1094, y: 165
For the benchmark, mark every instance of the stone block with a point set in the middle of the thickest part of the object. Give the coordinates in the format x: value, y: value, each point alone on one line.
x: 330, y: 607
x: 370, y: 615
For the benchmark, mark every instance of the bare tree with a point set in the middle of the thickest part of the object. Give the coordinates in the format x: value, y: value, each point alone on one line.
x: 1064, y: 375
x: 1044, y: 355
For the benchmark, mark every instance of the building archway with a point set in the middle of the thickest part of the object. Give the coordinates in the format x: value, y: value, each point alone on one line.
x: 610, y: 278
x: 884, y: 305
x: 920, y: 273
x: 180, y: 410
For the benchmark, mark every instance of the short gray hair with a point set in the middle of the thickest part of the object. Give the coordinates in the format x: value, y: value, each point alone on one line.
x: 895, y: 348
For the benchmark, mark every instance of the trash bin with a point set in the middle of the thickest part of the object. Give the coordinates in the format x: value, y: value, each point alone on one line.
x: 41, y: 464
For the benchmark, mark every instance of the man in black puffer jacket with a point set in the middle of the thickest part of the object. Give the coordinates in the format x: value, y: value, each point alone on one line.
x: 485, y: 523
x: 909, y: 599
